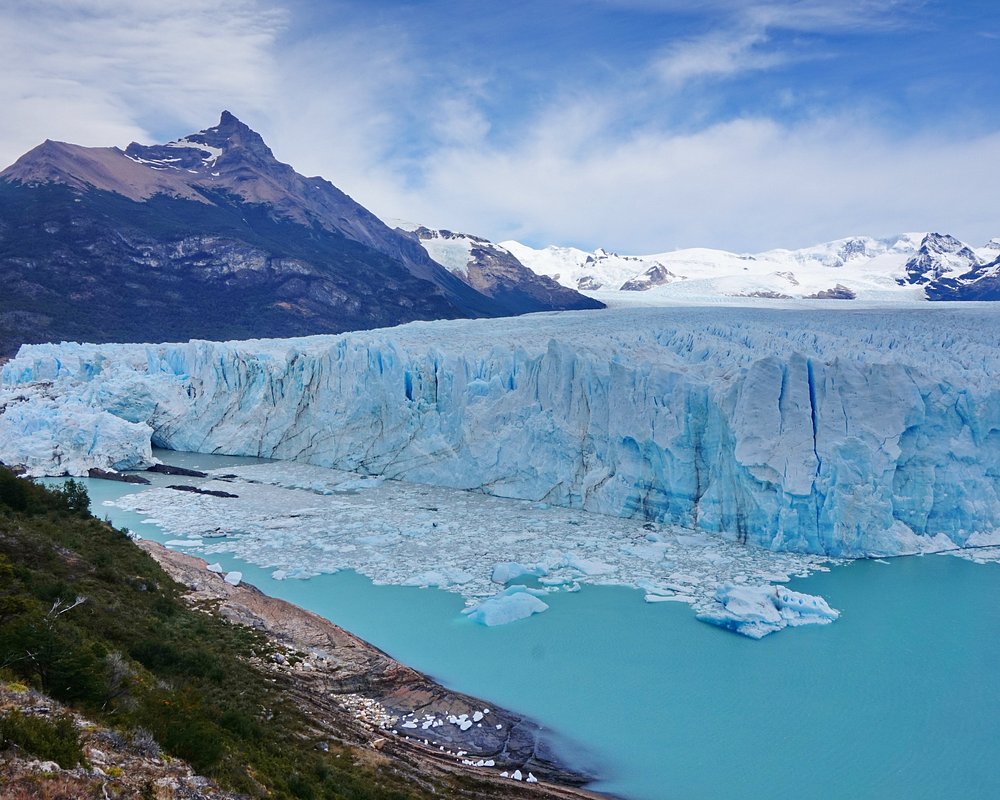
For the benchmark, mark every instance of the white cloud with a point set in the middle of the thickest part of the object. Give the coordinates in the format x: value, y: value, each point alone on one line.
x: 745, y: 185
x: 743, y: 39
x: 716, y: 55
x: 412, y: 139
x: 107, y: 71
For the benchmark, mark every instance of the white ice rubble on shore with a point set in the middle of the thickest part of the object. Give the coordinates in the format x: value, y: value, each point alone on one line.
x: 844, y: 432
x: 299, y: 521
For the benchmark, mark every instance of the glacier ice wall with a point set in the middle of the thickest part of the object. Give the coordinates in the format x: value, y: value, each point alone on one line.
x: 839, y: 432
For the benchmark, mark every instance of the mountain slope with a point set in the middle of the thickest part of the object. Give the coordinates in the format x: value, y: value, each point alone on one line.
x: 496, y: 272
x: 208, y: 236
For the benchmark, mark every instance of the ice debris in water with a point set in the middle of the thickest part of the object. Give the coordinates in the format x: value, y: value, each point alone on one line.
x: 507, y: 571
x: 402, y: 533
x: 514, y: 603
x: 756, y: 611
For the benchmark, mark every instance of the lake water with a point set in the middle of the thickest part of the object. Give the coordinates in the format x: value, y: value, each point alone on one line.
x: 900, y: 698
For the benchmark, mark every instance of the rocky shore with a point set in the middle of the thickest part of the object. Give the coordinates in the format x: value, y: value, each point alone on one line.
x: 358, y: 695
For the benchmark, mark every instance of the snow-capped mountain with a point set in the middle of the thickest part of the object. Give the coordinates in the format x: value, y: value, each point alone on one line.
x: 494, y: 271
x: 207, y: 236
x: 912, y: 266
x: 939, y: 255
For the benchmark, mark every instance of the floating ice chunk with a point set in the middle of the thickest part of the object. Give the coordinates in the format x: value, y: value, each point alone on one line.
x: 517, y: 775
x: 670, y: 598
x: 477, y: 717
x: 216, y: 567
x: 515, y: 603
x: 233, y: 578
x: 531, y: 778
x: 465, y: 725
x: 756, y: 611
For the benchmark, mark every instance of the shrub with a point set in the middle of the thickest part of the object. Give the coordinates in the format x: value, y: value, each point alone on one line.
x: 54, y: 739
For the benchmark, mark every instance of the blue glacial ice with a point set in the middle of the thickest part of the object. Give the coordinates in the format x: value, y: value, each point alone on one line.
x: 756, y: 611
x: 846, y: 432
x: 513, y: 603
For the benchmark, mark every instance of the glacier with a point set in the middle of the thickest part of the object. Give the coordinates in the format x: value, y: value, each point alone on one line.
x: 839, y: 432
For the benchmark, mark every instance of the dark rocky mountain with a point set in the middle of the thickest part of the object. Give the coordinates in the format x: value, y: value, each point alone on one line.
x: 495, y: 272
x: 656, y: 275
x: 948, y: 269
x: 980, y: 283
x: 938, y: 255
x: 209, y: 236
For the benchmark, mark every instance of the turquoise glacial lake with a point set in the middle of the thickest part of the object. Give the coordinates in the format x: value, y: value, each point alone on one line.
x: 900, y: 698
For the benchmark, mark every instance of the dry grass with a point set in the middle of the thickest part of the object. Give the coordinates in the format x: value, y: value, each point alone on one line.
x: 58, y: 787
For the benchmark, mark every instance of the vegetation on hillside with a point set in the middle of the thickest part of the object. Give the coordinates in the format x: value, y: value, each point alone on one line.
x: 91, y: 620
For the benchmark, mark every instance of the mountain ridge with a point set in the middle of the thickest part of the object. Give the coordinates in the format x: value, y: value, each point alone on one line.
x: 906, y: 267
x: 207, y: 236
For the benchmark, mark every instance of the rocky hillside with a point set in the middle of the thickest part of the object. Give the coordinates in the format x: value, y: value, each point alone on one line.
x: 495, y: 271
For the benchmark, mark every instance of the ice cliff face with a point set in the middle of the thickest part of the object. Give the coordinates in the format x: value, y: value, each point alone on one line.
x: 840, y: 432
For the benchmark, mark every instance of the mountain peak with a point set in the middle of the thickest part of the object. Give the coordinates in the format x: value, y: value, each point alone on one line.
x: 230, y: 140
x: 229, y: 119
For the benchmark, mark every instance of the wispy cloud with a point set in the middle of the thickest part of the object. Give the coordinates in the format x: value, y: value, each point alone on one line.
x: 743, y: 39
x: 106, y: 71
x: 717, y: 55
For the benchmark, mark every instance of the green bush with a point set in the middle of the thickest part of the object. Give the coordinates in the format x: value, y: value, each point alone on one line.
x: 55, y: 739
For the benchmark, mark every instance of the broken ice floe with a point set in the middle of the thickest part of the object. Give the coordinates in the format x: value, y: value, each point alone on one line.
x: 513, y: 603
x: 756, y: 611
x: 409, y: 534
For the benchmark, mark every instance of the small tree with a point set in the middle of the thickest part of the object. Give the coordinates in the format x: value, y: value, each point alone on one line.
x: 75, y: 497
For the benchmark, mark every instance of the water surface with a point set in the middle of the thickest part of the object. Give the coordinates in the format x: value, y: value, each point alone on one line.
x: 900, y: 698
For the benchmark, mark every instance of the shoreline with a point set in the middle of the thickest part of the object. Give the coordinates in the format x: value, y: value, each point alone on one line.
x: 361, y: 696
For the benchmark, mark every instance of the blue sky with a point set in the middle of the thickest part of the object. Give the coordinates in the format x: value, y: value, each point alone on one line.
x: 637, y: 125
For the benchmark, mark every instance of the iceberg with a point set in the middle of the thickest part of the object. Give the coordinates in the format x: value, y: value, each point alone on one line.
x: 839, y: 432
x: 512, y: 604
x: 284, y: 520
x: 756, y: 611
